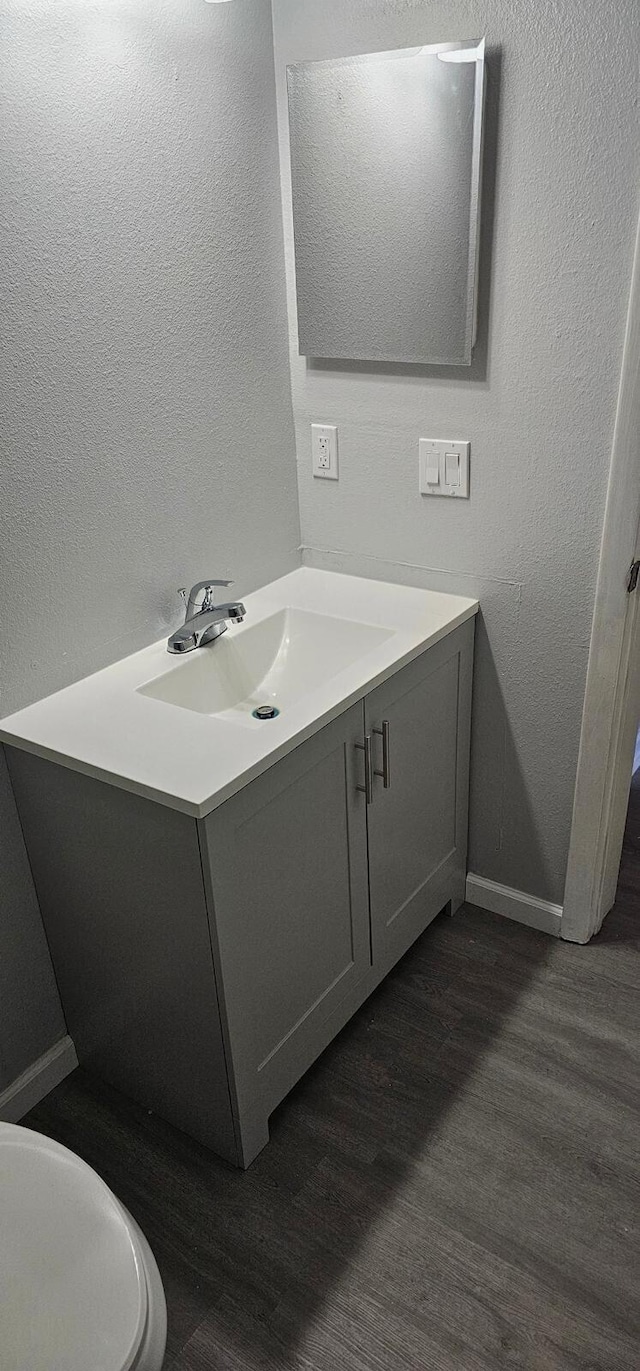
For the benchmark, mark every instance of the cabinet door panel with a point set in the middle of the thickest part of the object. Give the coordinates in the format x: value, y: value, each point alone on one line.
x: 288, y: 868
x: 417, y: 826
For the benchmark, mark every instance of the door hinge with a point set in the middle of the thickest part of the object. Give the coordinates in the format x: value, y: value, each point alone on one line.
x: 634, y: 574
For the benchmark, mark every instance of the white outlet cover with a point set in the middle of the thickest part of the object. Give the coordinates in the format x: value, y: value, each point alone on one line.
x: 440, y: 461
x: 324, y: 440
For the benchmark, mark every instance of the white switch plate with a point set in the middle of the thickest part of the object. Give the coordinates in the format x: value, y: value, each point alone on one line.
x: 440, y: 462
x: 324, y: 451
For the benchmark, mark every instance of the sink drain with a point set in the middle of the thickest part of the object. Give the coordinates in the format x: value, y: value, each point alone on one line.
x: 266, y: 712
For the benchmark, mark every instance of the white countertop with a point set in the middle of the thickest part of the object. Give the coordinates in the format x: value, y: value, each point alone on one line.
x: 192, y: 761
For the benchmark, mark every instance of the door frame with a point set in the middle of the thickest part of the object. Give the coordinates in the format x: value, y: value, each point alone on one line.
x: 612, y: 695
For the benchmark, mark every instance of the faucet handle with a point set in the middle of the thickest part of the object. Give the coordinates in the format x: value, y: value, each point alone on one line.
x: 204, y: 585
x: 201, y: 595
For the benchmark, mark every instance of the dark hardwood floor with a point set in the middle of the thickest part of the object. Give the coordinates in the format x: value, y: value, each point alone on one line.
x: 453, y: 1187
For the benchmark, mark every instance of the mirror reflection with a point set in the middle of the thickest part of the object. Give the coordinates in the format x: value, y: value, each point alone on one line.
x: 386, y: 162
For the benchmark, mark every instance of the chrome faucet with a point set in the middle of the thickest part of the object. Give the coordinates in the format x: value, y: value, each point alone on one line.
x: 204, y: 620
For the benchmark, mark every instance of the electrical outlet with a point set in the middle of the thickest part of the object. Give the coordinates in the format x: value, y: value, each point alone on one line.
x: 324, y: 451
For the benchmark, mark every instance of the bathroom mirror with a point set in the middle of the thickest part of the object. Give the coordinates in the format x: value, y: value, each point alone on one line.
x: 386, y: 156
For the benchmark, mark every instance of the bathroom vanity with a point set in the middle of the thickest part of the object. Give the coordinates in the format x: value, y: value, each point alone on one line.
x: 220, y: 892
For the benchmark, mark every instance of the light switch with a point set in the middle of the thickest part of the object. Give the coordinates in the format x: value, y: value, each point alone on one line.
x: 429, y: 465
x: 444, y: 467
x: 452, y: 469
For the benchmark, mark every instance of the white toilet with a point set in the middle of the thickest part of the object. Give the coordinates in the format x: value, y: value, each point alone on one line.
x: 79, y: 1286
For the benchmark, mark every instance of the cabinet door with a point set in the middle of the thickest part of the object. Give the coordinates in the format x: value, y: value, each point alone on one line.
x: 417, y: 824
x: 287, y: 864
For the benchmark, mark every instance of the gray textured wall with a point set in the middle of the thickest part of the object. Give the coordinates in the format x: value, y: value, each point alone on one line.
x: 538, y: 403
x: 145, y: 403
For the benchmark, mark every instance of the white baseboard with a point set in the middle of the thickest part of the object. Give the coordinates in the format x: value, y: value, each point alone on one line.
x: 37, y: 1081
x: 514, y: 904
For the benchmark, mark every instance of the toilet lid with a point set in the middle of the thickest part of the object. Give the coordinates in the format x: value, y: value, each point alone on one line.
x: 73, y: 1293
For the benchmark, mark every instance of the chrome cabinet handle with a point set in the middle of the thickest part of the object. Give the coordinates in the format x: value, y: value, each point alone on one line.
x: 386, y: 761
x: 367, y: 788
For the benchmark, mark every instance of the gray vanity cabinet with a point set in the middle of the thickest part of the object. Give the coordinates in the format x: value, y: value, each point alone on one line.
x: 204, y: 964
x: 417, y: 823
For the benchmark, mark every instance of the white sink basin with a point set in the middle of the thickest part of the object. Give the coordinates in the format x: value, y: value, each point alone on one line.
x: 180, y: 730
x: 274, y: 662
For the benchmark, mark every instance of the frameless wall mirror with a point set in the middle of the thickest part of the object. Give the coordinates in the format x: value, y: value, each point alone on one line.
x: 386, y: 156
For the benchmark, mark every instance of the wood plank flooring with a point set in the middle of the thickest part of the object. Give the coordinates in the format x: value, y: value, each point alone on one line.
x: 453, y: 1187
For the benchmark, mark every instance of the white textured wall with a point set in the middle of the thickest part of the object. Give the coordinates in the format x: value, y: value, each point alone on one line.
x: 144, y: 401
x: 538, y: 403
